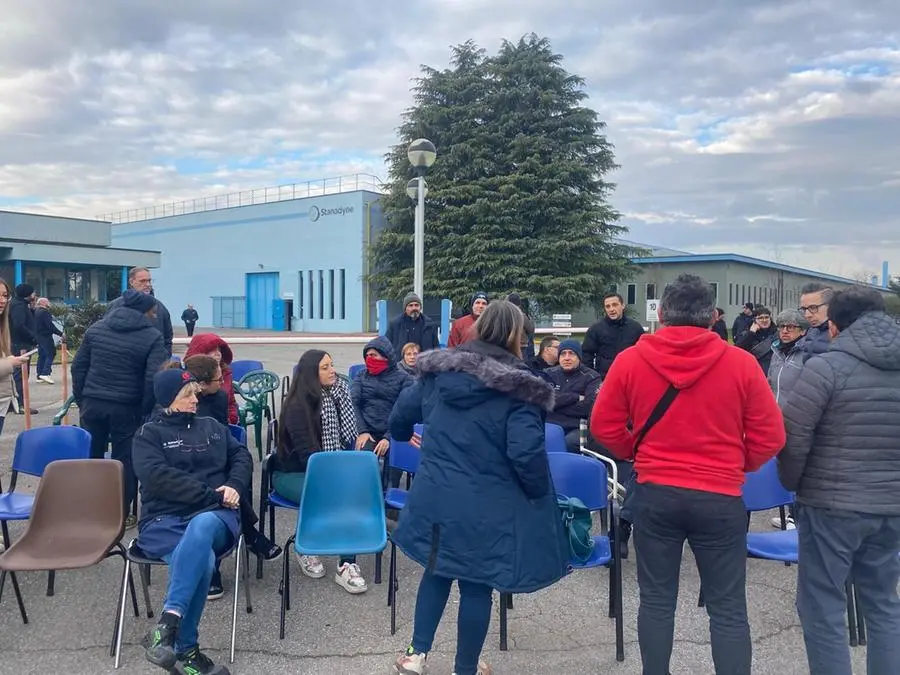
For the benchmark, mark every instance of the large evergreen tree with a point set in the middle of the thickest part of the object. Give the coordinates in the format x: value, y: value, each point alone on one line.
x: 517, y: 200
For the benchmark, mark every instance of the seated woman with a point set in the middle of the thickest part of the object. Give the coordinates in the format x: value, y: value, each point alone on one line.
x: 213, y: 402
x: 210, y: 344
x: 482, y: 509
x: 374, y: 394
x: 192, y: 476
x: 408, y: 356
x: 317, y: 416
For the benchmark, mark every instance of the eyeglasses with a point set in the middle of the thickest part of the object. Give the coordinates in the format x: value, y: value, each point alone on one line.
x: 812, y: 309
x: 788, y: 327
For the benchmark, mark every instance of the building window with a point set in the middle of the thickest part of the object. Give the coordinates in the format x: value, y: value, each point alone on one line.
x: 331, y: 293
x: 55, y: 284
x: 300, y: 296
x: 631, y: 294
x: 651, y: 292
x: 311, y: 312
x: 321, y: 294
x: 715, y: 289
x: 730, y: 294
x: 343, y: 302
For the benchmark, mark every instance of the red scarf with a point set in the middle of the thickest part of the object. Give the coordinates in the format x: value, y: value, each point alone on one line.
x: 376, y: 366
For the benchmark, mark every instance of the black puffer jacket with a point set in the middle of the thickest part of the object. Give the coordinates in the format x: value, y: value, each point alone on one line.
x: 163, y: 321
x: 181, y: 459
x: 606, y: 339
x: 575, y: 395
x: 760, y: 345
x: 374, y: 395
x: 117, y: 360
x: 843, y: 422
x: 22, y: 324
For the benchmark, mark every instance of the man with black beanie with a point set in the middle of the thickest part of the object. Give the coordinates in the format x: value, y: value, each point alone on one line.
x: 22, y: 333
x: 412, y: 326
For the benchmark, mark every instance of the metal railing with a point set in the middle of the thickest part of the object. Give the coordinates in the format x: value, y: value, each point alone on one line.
x: 277, y: 193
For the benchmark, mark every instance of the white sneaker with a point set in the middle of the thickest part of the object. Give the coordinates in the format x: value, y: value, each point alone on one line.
x: 311, y: 566
x: 410, y: 664
x: 776, y: 523
x: 45, y: 379
x: 349, y: 578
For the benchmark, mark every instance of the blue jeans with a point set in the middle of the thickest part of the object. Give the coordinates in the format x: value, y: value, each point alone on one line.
x: 472, y: 623
x: 191, y: 566
x: 46, y: 354
x: 834, y: 545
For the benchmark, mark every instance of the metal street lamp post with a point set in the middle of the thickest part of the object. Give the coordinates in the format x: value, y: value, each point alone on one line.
x: 422, y: 154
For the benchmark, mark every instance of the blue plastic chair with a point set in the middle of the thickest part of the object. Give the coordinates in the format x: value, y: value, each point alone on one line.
x: 403, y: 456
x: 355, y: 370
x: 585, y: 478
x: 35, y: 449
x: 555, y: 438
x: 341, y: 512
x: 763, y: 491
x: 175, y: 358
x: 239, y: 433
x: 241, y: 368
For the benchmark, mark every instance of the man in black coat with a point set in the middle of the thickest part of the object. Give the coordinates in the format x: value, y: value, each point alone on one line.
x: 412, y: 326
x: 112, y: 379
x: 576, y: 389
x: 45, y: 329
x: 139, y: 279
x: 22, y: 332
x: 190, y: 318
x: 610, y: 336
x: 742, y: 322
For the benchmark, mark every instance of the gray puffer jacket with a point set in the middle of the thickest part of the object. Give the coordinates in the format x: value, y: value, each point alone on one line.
x: 843, y: 422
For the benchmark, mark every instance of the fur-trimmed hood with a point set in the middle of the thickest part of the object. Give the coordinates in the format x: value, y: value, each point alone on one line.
x: 493, y: 368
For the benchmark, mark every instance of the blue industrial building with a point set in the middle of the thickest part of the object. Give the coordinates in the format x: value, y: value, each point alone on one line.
x: 279, y: 258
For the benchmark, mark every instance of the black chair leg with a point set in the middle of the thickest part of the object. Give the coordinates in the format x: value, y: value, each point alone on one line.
x: 509, y: 601
x: 18, y: 592
x: 503, y: 623
x: 145, y: 585
x: 246, y: 579
x: 378, y: 558
x: 701, y: 601
x: 285, y: 588
x: 51, y: 583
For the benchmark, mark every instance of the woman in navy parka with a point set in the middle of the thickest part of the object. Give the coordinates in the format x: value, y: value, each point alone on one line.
x: 482, y: 508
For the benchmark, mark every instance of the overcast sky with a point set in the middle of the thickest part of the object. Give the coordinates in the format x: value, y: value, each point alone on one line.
x: 765, y: 127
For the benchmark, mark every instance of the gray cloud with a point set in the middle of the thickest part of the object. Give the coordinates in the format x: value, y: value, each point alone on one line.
x: 767, y: 128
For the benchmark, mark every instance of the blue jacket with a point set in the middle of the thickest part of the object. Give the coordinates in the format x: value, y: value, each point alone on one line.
x: 163, y: 321
x: 374, y: 396
x: 181, y: 459
x: 816, y: 341
x: 117, y: 360
x: 482, y: 506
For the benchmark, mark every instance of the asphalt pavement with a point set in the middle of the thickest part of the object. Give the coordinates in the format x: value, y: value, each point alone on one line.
x: 562, y: 629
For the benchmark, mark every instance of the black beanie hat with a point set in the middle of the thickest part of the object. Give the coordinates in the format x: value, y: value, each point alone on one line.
x: 24, y: 290
x: 167, y: 384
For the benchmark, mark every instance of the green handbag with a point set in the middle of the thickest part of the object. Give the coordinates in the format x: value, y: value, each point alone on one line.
x: 576, y: 519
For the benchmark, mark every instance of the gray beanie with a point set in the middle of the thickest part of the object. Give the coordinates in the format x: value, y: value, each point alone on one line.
x: 411, y: 297
x: 791, y: 317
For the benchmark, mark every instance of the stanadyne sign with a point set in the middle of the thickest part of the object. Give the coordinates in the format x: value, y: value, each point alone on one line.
x: 316, y: 213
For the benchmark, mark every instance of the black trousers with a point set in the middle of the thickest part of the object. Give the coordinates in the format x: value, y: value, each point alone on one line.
x: 189, y: 327
x: 113, y: 424
x: 715, y: 526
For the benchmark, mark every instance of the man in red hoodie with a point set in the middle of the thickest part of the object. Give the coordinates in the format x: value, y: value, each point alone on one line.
x: 689, y: 467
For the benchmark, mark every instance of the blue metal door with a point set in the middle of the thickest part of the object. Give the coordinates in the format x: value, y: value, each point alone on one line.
x: 262, y: 291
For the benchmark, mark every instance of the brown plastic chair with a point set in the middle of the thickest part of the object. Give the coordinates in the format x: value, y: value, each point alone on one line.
x: 77, y: 522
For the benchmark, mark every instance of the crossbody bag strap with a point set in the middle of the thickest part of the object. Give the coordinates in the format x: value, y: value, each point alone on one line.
x: 656, y: 415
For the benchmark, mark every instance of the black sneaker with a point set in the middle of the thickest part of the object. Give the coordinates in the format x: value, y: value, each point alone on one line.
x: 160, y: 642
x: 196, y: 662
x: 215, y: 587
x: 265, y: 548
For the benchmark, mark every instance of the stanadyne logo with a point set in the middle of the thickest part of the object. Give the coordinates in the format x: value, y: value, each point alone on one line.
x: 315, y: 212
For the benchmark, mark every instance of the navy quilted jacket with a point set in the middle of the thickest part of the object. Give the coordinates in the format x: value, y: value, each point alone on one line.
x: 117, y: 360
x: 374, y: 395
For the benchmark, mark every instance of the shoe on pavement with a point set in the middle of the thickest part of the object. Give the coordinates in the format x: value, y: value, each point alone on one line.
x: 410, y: 663
x: 159, y: 643
x: 776, y: 523
x: 483, y: 668
x: 311, y: 566
x: 130, y: 521
x: 196, y: 662
x: 216, y: 590
x: 349, y: 578
x: 45, y: 379
x: 265, y: 548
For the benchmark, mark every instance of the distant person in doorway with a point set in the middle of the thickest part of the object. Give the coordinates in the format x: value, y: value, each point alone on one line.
x: 190, y: 318
x: 22, y: 331
x: 412, y: 326
x: 742, y: 322
x: 139, y: 279
x: 528, y: 331
x: 719, y: 327
x: 610, y: 336
x: 46, y: 330
x: 463, y: 327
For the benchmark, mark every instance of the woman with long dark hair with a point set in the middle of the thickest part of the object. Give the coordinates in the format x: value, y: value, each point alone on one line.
x: 482, y: 509
x: 317, y: 416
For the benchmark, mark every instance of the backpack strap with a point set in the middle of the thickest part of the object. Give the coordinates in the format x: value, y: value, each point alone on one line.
x: 656, y: 415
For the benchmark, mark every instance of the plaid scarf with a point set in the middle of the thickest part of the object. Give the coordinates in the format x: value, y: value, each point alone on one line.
x: 338, y: 418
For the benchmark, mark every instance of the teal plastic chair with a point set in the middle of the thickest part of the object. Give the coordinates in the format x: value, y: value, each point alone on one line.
x: 255, y: 388
x: 341, y: 512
